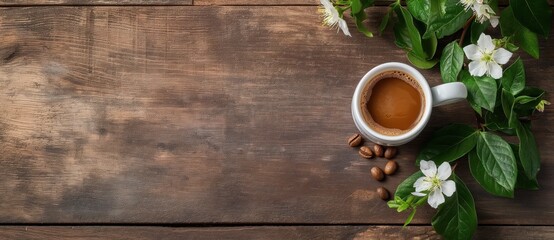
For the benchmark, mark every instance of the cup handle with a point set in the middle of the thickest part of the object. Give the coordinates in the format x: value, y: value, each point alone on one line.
x: 448, y: 93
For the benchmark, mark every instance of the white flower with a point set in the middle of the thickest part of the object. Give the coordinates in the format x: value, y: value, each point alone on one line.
x: 331, y: 17
x: 484, y: 12
x: 469, y: 3
x: 434, y: 183
x: 486, y: 58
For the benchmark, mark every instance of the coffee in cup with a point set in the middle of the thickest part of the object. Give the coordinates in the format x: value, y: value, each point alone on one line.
x: 392, y: 103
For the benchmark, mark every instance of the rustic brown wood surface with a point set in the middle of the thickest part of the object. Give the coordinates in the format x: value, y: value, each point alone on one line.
x: 94, y: 2
x: 211, y: 115
x: 263, y: 232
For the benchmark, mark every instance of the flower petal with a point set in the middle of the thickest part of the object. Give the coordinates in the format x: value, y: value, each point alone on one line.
x: 501, y: 56
x: 472, y: 52
x: 418, y: 182
x: 424, y: 186
x: 344, y: 27
x: 327, y: 4
x: 419, y: 194
x: 435, y: 198
x: 485, y: 43
x: 444, y: 171
x: 494, y: 70
x: 448, y: 187
x: 477, y: 68
x: 428, y: 168
x: 494, y: 21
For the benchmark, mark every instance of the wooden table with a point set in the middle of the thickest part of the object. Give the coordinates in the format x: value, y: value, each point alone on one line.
x: 211, y: 119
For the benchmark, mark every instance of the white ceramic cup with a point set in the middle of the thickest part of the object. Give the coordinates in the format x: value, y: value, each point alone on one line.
x: 436, y: 96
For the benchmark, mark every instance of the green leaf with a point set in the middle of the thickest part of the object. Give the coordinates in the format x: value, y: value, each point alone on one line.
x: 449, y: 22
x: 430, y: 47
x: 410, y: 217
x: 533, y: 14
x: 524, y: 37
x: 528, y: 151
x: 360, y: 17
x: 513, y: 78
x: 409, y: 32
x: 481, y: 90
x: 448, y: 144
x: 456, y: 218
x: 385, y: 21
x: 533, y: 97
x: 356, y: 6
x: 508, y: 102
x: 497, y: 121
x: 523, y: 182
x: 451, y: 62
x: 493, y: 165
x: 405, y: 189
x: 421, y: 62
x: 476, y: 29
x: 419, y: 9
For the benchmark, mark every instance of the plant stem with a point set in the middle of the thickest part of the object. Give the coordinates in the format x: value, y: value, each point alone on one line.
x: 466, y: 26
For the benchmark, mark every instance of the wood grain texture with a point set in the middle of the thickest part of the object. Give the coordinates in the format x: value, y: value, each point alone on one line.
x: 93, y: 2
x: 208, y: 114
x: 184, y: 2
x: 266, y: 232
x: 298, y: 2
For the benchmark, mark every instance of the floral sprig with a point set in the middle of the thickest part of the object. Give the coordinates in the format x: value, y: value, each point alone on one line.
x: 486, y: 58
x: 435, y: 184
x: 502, y: 102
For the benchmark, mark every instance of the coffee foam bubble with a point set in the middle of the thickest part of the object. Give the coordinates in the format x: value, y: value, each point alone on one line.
x: 366, y: 94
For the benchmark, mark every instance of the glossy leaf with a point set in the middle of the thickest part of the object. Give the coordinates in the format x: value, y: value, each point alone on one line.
x: 356, y: 6
x: 497, y: 121
x: 528, y: 151
x: 408, y: 32
x: 513, y: 79
x: 523, y: 182
x: 448, y: 144
x: 385, y: 21
x: 533, y: 14
x: 522, y: 36
x: 456, y: 218
x: 527, y: 108
x: 405, y: 189
x: 421, y: 62
x: 360, y: 17
x: 493, y: 165
x: 451, y: 62
x: 508, y: 102
x: 481, y: 90
x: 419, y: 9
x: 449, y: 22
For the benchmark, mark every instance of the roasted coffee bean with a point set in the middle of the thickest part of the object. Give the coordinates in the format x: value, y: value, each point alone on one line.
x: 383, y: 193
x: 390, y: 153
x: 377, y: 173
x: 355, y: 140
x: 390, y: 167
x: 365, y: 152
x: 378, y: 149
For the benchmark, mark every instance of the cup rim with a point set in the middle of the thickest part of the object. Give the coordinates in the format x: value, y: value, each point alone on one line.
x: 388, y: 67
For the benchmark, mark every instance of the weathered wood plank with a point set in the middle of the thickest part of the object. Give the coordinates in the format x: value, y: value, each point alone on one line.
x: 93, y: 2
x: 297, y: 2
x: 207, y: 114
x: 183, y: 2
x: 265, y: 232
